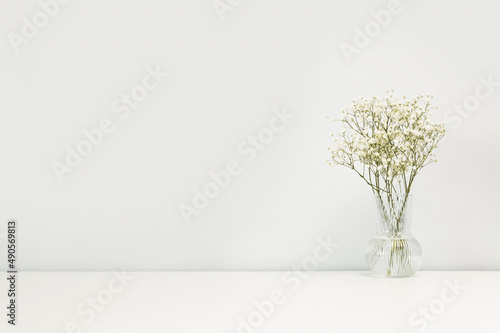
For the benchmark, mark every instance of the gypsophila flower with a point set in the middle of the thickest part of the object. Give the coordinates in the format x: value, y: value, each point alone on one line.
x: 387, y: 140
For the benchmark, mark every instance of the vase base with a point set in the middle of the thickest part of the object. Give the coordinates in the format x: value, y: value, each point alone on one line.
x: 393, y: 257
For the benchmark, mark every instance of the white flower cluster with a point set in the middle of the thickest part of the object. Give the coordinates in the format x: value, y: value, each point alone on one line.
x: 387, y: 140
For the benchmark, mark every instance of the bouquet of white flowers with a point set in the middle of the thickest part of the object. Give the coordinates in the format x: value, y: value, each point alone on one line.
x: 387, y: 141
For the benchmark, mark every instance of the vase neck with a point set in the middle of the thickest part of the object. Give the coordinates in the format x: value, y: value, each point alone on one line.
x: 393, y: 213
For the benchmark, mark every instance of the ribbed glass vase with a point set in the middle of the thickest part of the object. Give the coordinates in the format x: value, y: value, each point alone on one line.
x: 393, y: 251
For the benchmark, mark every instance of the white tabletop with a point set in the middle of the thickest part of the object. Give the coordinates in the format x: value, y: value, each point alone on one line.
x: 247, y: 302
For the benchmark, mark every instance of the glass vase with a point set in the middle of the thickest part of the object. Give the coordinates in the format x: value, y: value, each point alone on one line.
x: 393, y: 251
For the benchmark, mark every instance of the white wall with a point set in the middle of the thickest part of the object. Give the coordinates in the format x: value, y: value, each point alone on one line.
x: 120, y: 207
